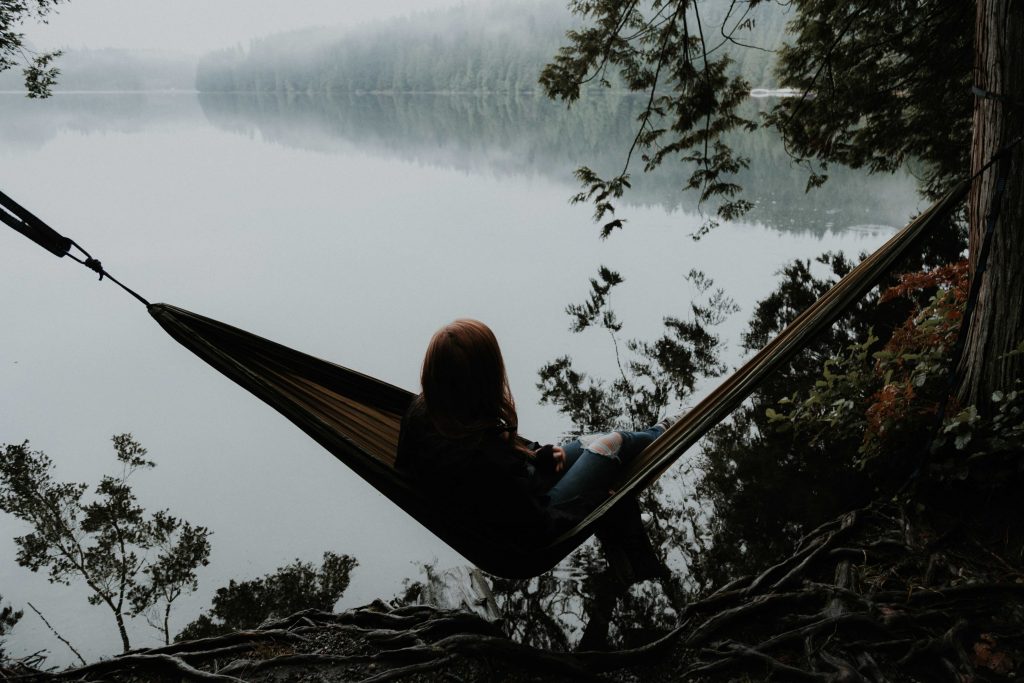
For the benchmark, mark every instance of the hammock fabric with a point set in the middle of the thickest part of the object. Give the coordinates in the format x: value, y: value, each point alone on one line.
x: 357, y: 418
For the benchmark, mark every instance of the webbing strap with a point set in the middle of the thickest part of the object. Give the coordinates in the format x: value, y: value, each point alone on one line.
x: 22, y: 220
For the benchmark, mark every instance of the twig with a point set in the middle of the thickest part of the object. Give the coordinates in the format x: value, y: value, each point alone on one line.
x: 59, y: 636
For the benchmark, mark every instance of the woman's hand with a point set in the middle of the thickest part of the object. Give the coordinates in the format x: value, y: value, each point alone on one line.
x: 550, y: 457
x: 558, y: 455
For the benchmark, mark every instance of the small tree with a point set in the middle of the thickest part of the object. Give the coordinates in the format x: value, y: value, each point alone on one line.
x: 294, y: 587
x: 130, y: 562
x: 182, y: 549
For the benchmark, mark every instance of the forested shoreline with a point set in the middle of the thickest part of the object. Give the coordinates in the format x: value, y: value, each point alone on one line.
x: 488, y: 48
x: 496, y: 47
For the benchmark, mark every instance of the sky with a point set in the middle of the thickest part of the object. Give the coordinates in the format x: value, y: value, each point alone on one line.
x: 197, y: 26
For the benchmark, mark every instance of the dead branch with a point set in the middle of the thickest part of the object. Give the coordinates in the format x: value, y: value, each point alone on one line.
x: 59, y: 636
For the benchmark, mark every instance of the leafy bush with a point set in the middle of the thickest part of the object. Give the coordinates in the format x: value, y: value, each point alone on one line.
x: 891, y: 397
x: 888, y: 397
x: 297, y: 586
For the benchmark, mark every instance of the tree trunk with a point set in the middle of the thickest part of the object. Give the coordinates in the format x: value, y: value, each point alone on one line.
x: 167, y: 623
x: 997, y: 325
x: 121, y: 630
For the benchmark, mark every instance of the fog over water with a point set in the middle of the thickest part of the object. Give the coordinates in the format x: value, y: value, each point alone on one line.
x: 350, y: 229
x: 196, y: 26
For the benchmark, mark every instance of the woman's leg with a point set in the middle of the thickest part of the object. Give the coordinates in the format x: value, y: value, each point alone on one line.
x: 593, y: 461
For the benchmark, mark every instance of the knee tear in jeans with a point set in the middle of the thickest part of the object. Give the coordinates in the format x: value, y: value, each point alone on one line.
x: 605, y: 445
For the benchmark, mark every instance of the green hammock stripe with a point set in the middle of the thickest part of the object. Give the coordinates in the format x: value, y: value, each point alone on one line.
x: 357, y: 417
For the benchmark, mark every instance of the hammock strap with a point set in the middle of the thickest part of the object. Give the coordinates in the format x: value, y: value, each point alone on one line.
x: 21, y: 219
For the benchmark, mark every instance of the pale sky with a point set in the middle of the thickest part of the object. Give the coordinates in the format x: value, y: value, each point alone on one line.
x: 197, y: 26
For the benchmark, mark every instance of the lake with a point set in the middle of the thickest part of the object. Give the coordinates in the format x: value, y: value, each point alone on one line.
x: 350, y: 228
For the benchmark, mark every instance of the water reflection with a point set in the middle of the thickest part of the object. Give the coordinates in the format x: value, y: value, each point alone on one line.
x: 30, y: 124
x: 534, y: 136
x: 495, y: 135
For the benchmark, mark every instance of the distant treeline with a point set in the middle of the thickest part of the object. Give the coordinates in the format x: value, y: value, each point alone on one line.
x: 112, y: 69
x: 481, y: 48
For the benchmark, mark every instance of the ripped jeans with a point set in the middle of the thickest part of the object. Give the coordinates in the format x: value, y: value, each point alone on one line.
x: 592, y: 462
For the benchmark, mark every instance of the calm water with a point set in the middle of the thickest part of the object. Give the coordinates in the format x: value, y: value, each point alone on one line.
x: 351, y: 229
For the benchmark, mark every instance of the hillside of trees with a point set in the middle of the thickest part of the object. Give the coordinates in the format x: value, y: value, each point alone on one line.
x: 488, y: 47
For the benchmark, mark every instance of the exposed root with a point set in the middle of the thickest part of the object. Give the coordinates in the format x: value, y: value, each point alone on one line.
x: 866, y: 597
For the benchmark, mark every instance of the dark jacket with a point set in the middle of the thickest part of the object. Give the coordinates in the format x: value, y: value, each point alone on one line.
x: 487, y: 484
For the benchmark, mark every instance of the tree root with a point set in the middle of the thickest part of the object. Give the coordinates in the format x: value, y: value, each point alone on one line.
x: 134, y: 663
x: 866, y: 597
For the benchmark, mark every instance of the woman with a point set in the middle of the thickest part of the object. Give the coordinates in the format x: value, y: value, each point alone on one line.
x: 459, y: 444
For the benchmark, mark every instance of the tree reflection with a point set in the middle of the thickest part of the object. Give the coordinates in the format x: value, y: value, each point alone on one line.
x: 503, y: 135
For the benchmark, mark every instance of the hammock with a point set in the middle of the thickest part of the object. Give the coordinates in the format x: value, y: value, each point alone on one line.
x: 357, y: 418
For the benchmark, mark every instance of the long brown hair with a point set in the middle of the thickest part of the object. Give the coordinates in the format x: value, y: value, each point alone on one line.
x: 465, y: 387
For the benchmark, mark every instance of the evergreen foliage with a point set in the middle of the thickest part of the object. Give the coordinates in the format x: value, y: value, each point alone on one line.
x: 874, y: 92
x: 884, y: 86
x: 294, y: 587
x: 846, y: 423
x: 769, y: 485
x: 877, y: 87
x: 131, y: 562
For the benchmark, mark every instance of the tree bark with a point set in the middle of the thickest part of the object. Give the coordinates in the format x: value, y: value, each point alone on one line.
x: 121, y: 629
x: 167, y: 623
x: 997, y: 324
